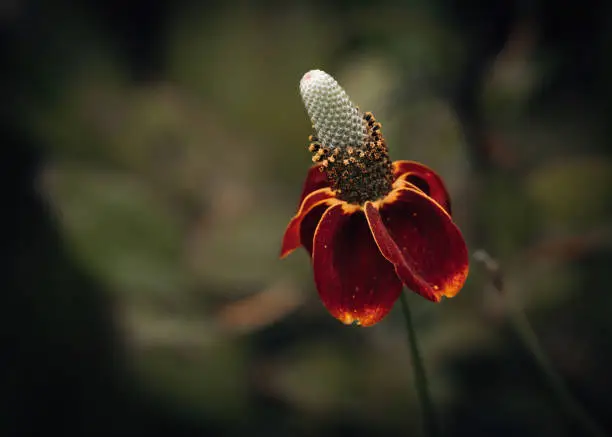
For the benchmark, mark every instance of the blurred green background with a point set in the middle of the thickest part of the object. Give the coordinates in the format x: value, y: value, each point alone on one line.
x: 153, y: 153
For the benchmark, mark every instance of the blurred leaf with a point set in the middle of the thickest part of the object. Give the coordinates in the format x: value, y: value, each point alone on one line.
x: 241, y: 250
x: 120, y: 228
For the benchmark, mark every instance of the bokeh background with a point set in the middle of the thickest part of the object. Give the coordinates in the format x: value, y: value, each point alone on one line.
x: 153, y: 152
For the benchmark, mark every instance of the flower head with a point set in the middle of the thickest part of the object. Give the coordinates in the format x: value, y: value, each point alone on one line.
x: 370, y: 225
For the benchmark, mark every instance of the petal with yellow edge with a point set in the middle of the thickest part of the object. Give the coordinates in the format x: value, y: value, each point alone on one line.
x: 309, y: 225
x: 355, y: 282
x: 295, y: 235
x: 425, y: 180
x: 315, y: 180
x: 419, y: 237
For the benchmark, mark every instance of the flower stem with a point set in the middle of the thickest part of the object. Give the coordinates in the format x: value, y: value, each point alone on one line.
x: 430, y: 424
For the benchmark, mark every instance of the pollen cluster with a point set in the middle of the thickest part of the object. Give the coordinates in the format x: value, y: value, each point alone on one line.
x: 357, y: 173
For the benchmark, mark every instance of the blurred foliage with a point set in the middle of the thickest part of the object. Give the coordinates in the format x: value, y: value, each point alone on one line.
x: 174, y: 145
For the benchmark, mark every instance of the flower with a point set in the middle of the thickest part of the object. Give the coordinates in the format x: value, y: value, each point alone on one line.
x: 369, y: 225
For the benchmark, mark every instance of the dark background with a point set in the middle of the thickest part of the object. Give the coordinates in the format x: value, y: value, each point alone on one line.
x: 153, y: 152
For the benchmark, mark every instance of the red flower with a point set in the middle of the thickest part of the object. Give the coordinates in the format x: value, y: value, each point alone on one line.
x: 369, y: 225
x: 361, y: 254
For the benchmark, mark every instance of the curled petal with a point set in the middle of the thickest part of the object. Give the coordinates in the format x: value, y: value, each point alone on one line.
x: 315, y: 179
x: 355, y: 282
x: 420, y: 239
x: 311, y: 210
x: 425, y: 179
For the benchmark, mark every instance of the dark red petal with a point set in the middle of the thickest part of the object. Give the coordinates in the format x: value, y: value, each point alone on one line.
x: 315, y: 179
x: 293, y: 238
x: 309, y: 226
x: 425, y: 179
x: 355, y: 282
x: 421, y: 240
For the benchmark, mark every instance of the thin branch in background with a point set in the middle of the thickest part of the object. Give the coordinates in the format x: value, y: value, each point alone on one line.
x: 521, y: 325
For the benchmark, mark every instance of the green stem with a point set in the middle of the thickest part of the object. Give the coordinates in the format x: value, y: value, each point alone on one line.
x: 566, y: 400
x: 430, y: 424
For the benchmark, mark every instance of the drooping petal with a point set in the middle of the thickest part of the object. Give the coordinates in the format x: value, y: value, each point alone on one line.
x: 309, y: 225
x: 315, y: 179
x: 421, y: 240
x: 425, y: 179
x: 294, y: 234
x: 355, y: 282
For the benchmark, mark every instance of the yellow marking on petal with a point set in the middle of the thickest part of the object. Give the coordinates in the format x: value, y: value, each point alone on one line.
x: 350, y: 208
x: 346, y: 318
x: 368, y: 317
x: 402, y: 182
x: 395, y: 193
x: 330, y: 199
x: 455, y: 284
x: 389, y: 198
